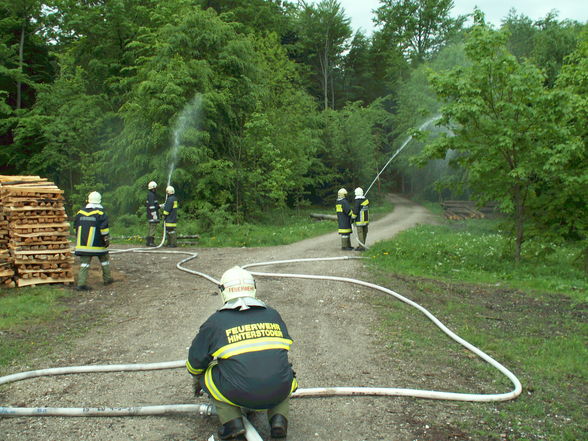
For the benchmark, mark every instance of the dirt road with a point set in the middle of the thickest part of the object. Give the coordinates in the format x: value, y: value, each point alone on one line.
x: 154, y: 310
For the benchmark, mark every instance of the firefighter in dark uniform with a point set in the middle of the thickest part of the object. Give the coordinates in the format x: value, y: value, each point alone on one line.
x: 92, y: 239
x: 240, y: 358
x: 170, y: 216
x: 360, y: 217
x: 152, y: 206
x: 344, y: 213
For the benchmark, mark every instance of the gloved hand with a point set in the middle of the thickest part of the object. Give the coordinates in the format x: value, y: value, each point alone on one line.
x: 106, y: 241
x: 196, y: 386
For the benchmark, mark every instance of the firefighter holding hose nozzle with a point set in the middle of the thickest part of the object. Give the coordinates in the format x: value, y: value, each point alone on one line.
x: 170, y: 215
x: 360, y: 217
x: 240, y: 358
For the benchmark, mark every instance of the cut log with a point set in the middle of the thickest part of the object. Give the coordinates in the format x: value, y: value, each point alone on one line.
x: 323, y: 216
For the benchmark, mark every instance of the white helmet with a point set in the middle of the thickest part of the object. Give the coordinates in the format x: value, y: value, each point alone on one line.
x: 358, y: 191
x: 152, y: 185
x: 236, y: 282
x: 94, y: 198
x: 341, y: 193
x: 170, y: 190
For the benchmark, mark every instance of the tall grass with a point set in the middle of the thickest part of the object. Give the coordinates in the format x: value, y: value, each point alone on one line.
x: 474, y: 251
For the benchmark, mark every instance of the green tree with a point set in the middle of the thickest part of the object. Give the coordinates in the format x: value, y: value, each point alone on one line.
x: 351, y: 146
x: 323, y: 31
x: 419, y: 28
x: 507, y: 126
x: 563, y: 202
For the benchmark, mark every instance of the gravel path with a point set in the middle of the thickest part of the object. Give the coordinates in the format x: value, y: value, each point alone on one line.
x: 154, y: 311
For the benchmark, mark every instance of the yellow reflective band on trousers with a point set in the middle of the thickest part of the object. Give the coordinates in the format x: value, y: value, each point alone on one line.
x: 294, y: 385
x: 252, y: 345
x: 192, y: 370
x: 212, y: 387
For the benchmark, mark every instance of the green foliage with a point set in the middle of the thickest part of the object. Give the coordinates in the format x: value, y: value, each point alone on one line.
x: 545, y: 42
x: 418, y: 28
x: 509, y: 129
x: 323, y: 31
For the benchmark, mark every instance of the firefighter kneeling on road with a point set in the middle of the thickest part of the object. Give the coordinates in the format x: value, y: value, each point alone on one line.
x: 240, y: 358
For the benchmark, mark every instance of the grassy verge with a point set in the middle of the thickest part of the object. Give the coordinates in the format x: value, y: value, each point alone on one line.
x: 24, y: 318
x: 281, y: 227
x: 531, y: 317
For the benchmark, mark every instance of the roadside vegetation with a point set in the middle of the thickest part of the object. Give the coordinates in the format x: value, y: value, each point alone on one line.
x: 531, y: 317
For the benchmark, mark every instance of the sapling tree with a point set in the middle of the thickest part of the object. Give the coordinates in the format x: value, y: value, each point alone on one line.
x: 507, y: 126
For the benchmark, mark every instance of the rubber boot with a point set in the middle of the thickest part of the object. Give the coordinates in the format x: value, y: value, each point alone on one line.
x: 346, y: 243
x: 231, y: 429
x: 83, y: 273
x: 279, y: 426
x: 172, y: 239
x: 106, y: 274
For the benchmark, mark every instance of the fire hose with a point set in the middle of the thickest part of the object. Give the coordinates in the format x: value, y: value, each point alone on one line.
x: 207, y: 409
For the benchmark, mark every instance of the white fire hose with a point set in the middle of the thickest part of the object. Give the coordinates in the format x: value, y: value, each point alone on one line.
x: 207, y: 409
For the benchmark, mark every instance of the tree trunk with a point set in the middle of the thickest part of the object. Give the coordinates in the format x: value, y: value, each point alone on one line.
x: 20, y: 66
x: 519, y: 222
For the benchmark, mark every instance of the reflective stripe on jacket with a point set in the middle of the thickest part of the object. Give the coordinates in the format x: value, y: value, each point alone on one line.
x: 251, y: 350
x: 361, y: 211
x: 344, y: 213
x: 91, y: 225
x: 170, y: 211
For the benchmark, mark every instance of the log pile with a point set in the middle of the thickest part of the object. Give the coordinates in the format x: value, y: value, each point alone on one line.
x: 459, y: 210
x: 36, y: 248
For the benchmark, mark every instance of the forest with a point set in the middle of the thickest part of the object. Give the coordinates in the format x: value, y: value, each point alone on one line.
x: 246, y: 106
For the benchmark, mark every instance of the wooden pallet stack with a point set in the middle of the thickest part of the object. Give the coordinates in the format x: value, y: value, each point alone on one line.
x: 459, y: 210
x: 38, y: 245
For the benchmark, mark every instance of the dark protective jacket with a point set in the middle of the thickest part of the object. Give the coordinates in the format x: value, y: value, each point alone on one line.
x: 91, y: 225
x: 170, y: 211
x: 251, y: 347
x: 344, y: 214
x: 361, y: 211
x: 152, y: 206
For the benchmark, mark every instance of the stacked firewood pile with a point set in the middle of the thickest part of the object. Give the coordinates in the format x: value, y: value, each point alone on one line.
x: 37, y: 249
x: 459, y: 210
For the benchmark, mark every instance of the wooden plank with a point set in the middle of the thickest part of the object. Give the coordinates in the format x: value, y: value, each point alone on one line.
x: 39, y: 281
x: 25, y: 191
x: 27, y: 252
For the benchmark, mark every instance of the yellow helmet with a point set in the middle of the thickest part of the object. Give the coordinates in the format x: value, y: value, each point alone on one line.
x: 170, y: 190
x: 341, y: 193
x: 152, y: 185
x: 237, y: 282
x: 358, y: 191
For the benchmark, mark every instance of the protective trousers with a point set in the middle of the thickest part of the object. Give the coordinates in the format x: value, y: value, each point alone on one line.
x: 85, y: 268
x: 151, y: 234
x: 227, y: 412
